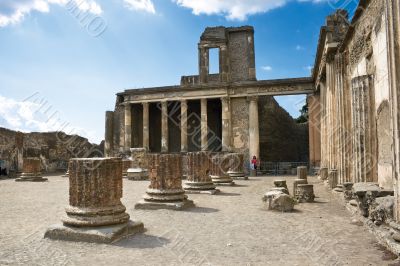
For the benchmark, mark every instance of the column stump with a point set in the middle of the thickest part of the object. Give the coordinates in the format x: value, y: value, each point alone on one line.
x: 66, y: 174
x: 305, y: 193
x: 165, y: 190
x: 95, y: 212
x: 323, y: 173
x: 31, y: 171
x: 235, y: 163
x: 126, y: 164
x: 281, y: 185
x: 302, y: 172
x: 333, y: 179
x: 139, y: 167
x: 218, y: 174
x: 199, y: 180
x: 297, y: 182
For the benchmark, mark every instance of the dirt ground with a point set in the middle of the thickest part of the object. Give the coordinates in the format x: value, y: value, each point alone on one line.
x: 232, y: 228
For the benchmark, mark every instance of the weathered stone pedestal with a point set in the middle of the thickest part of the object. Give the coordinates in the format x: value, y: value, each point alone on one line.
x: 165, y: 190
x: 139, y: 166
x: 218, y: 172
x: 235, y: 162
x: 302, y: 172
x: 199, y: 180
x: 95, y: 213
x: 126, y: 164
x: 323, y: 173
x: 297, y: 182
x: 31, y: 171
x: 347, y: 190
x: 333, y: 179
x: 305, y: 193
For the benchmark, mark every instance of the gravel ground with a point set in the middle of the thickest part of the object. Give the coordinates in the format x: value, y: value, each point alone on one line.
x: 232, y: 228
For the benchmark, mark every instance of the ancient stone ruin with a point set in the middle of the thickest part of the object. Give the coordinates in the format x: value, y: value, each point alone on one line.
x: 165, y: 190
x: 31, y: 171
x: 95, y: 212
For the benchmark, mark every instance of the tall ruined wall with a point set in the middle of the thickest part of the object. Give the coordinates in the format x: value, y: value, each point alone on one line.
x: 53, y: 148
x: 281, y: 138
x: 368, y: 57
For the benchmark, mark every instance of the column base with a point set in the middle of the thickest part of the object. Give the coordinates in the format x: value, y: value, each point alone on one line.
x: 29, y: 177
x: 237, y: 175
x: 173, y: 205
x: 137, y: 174
x: 102, y: 234
x: 222, y: 180
x: 200, y: 188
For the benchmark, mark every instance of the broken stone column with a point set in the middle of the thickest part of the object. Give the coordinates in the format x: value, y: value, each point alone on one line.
x: 297, y: 182
x: 333, y: 179
x: 235, y: 162
x: 302, y: 172
x: 139, y: 167
x: 305, y: 193
x: 323, y: 173
x: 279, y: 201
x: 165, y: 190
x: 126, y: 164
x: 95, y: 212
x: 217, y: 173
x: 31, y: 171
x: 199, y: 180
x: 347, y: 190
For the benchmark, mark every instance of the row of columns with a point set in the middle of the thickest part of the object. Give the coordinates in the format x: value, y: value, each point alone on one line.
x: 254, y: 139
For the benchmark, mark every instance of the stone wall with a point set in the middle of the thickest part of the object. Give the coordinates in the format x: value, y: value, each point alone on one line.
x: 53, y: 148
x: 281, y: 138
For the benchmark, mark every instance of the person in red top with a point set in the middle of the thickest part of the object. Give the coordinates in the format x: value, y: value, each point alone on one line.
x: 254, y: 163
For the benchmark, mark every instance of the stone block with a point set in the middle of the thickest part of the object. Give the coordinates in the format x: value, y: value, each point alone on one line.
x: 297, y: 182
x: 279, y: 201
x: 333, y: 179
x: 31, y: 171
x: 305, y: 193
x: 302, y: 172
x: 136, y: 174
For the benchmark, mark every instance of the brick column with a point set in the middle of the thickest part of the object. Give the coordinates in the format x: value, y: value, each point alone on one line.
x: 254, y: 131
x: 184, y: 137
x: 164, y: 127
x: 146, y: 134
x: 95, y: 212
x: 204, y: 125
x: 226, y: 124
x: 128, y: 127
x: 199, y: 180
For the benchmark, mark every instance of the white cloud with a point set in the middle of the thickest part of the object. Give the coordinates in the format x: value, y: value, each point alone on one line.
x: 234, y: 9
x: 141, y: 5
x: 14, y: 11
x: 35, y: 114
x: 266, y: 68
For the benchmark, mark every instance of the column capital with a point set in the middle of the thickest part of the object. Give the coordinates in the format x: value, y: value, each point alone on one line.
x: 252, y: 98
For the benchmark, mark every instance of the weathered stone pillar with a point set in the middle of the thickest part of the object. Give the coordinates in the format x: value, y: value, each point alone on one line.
x: 333, y: 178
x: 165, y: 190
x: 297, y: 182
x: 199, y: 180
x: 164, y: 127
x: 226, y: 124
x: 204, y: 125
x: 218, y: 173
x: 234, y: 162
x: 109, y: 134
x: 254, y: 131
x: 184, y: 127
x: 146, y: 132
x: 323, y: 173
x: 128, y: 127
x: 95, y: 212
x: 204, y: 56
x: 302, y: 172
x: 138, y: 169
x: 305, y: 193
x: 31, y: 171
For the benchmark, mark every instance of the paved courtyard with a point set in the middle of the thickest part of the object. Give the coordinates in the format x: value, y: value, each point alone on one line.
x: 233, y: 228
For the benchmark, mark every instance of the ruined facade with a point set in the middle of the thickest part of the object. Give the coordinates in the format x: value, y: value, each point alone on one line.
x: 206, y: 112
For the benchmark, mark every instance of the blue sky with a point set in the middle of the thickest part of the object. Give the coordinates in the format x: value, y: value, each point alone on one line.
x: 59, y: 70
